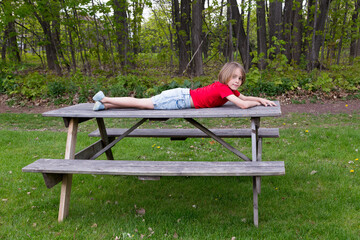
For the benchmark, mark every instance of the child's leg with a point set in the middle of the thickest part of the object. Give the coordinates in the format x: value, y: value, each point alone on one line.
x: 127, y: 102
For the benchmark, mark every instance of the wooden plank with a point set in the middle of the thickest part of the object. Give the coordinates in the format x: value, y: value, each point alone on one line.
x: 191, y: 133
x: 228, y: 110
x: 255, y: 148
x: 51, y: 179
x: 104, y: 137
x: 157, y: 168
x: 255, y: 203
x: 67, y: 178
x: 80, y: 120
x: 88, y: 152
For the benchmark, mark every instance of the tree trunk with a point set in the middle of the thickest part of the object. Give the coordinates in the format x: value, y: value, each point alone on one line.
x: 183, y: 34
x: 342, y: 33
x: 68, y: 33
x: 354, y: 31
x: 3, y: 47
x: 196, y: 31
x: 297, y: 32
x: 10, y: 44
x: 97, y: 37
x: 261, y: 33
x: 320, y: 19
x: 122, y: 30
x: 240, y: 34
x: 50, y: 46
x: 230, y: 48
x: 275, y: 24
x: 176, y: 22
x: 288, y: 17
x: 206, y: 37
x: 292, y: 33
x: 138, y: 7
x: 13, y: 48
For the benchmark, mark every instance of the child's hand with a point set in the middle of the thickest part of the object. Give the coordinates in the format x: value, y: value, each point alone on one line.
x: 266, y: 102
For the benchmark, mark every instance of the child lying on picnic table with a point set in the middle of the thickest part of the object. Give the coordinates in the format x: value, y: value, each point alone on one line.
x: 231, y: 77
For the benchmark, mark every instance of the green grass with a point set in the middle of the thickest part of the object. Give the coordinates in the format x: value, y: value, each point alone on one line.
x: 318, y: 198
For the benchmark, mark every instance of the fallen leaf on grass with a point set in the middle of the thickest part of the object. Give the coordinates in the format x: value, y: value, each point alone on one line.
x: 313, y: 172
x: 140, y: 211
x: 94, y: 225
x: 151, y: 232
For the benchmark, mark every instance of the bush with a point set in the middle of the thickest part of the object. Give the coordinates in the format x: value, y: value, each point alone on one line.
x: 31, y: 86
x: 118, y: 90
x: 267, y: 83
x: 56, y: 89
x: 8, y: 83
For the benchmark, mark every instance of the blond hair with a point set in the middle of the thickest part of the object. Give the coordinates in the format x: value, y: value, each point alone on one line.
x: 227, y: 71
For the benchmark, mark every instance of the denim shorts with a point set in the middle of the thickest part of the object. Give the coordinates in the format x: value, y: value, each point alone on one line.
x: 173, y: 99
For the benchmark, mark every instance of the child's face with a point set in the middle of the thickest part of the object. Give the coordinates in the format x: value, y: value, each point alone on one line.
x: 235, y: 80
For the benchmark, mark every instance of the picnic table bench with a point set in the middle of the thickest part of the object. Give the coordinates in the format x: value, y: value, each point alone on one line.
x: 83, y: 162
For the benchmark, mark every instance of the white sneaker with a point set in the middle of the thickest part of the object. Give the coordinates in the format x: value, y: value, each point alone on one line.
x: 99, y: 96
x: 98, y: 106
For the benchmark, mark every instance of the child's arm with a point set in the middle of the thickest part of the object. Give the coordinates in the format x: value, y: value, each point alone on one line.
x: 248, y: 102
x: 262, y: 101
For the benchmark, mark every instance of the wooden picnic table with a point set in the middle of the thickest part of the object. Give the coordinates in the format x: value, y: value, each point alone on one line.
x: 55, y: 171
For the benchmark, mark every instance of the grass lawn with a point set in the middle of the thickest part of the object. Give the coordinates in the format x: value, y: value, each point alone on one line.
x: 318, y: 198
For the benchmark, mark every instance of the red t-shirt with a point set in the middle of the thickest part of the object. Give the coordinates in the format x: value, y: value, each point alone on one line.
x: 213, y: 95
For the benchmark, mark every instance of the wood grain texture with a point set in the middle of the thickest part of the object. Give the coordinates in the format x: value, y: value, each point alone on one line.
x: 157, y: 168
x: 191, y: 133
x: 84, y: 110
x: 67, y: 178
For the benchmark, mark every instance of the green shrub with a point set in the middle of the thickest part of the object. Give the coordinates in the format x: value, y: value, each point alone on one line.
x: 31, y: 86
x: 85, y: 93
x: 56, y: 89
x: 267, y: 83
x: 323, y: 82
x: 9, y: 84
x: 118, y: 90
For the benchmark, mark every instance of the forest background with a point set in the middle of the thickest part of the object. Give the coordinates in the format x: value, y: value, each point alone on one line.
x: 63, y: 51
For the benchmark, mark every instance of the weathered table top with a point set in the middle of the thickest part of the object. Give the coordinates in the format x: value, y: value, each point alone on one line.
x: 84, y: 110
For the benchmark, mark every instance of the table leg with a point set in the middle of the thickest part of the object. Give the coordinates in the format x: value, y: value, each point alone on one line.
x: 255, y: 203
x: 104, y: 137
x: 256, y: 146
x: 67, y: 178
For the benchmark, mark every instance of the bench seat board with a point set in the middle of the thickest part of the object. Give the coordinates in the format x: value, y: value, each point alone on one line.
x: 156, y: 168
x: 191, y: 133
